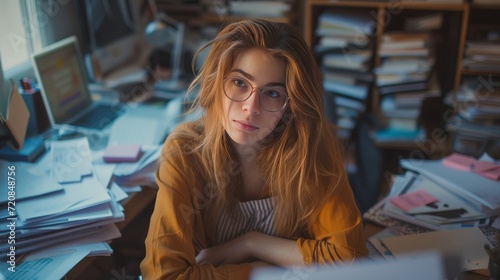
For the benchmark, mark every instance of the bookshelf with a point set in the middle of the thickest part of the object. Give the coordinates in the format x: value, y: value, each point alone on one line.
x: 476, y: 100
x: 390, y: 17
x: 431, y: 139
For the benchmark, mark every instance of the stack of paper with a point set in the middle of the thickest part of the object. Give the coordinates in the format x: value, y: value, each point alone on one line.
x: 62, y: 201
x: 430, y: 205
x: 470, y: 186
x: 48, y: 213
x: 444, y: 194
x: 446, y: 205
x: 66, y: 205
x: 130, y: 175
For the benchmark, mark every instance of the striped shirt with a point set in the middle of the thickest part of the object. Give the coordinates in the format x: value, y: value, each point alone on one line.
x: 254, y: 215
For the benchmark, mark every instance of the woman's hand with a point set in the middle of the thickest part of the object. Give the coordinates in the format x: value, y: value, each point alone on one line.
x: 253, y: 246
x: 231, y: 252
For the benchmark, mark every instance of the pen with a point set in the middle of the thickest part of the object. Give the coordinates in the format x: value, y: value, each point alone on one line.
x: 26, y: 85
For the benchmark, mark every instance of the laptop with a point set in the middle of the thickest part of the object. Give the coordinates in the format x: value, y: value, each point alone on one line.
x: 429, y: 265
x: 62, y: 79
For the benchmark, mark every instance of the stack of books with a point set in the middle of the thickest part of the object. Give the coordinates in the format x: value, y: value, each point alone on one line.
x: 482, y: 50
x: 345, y: 51
x: 405, y: 76
x: 477, y: 119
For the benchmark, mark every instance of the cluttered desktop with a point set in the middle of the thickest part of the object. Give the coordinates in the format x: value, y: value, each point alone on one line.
x: 79, y: 148
x: 78, y: 180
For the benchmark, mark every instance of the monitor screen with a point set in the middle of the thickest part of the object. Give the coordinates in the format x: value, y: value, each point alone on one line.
x: 112, y: 32
x: 109, y: 21
x: 61, y: 76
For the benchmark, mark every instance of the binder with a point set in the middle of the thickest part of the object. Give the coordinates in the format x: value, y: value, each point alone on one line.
x: 14, y: 117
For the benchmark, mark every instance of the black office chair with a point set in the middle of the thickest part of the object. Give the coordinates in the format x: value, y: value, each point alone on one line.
x: 367, y: 179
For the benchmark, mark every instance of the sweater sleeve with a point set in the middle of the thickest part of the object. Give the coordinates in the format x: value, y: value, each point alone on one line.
x: 338, y: 234
x: 175, y: 225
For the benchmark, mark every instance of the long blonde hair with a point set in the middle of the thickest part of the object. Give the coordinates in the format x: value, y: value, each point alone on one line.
x: 301, y: 161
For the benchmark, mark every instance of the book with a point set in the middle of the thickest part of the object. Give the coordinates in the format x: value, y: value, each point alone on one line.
x: 404, y: 124
x: 389, y: 109
x: 33, y: 147
x: 358, y: 91
x: 404, y: 52
x: 346, y: 19
x: 259, y: 8
x: 350, y: 103
x: 426, y: 22
x: 398, y: 36
x: 392, y: 135
x: 398, y: 61
x: 357, y: 62
x: 394, y: 79
x: 403, y: 87
x: 347, y: 76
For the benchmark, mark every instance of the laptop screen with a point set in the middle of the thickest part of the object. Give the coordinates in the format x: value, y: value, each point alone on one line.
x: 61, y: 77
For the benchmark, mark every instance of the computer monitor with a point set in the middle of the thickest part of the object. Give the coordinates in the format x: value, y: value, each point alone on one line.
x: 61, y: 77
x: 113, y: 32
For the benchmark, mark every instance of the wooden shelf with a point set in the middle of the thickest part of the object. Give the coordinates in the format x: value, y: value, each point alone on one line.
x: 485, y: 6
x: 360, y: 4
x: 391, y: 5
x: 466, y: 72
x: 211, y: 18
x: 387, y: 17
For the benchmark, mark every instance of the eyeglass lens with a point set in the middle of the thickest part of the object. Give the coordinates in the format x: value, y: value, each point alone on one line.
x: 271, y: 98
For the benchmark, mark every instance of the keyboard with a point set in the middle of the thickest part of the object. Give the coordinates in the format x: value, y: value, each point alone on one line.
x: 98, y: 117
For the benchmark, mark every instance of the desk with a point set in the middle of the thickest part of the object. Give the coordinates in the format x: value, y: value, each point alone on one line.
x: 102, y: 267
x: 371, y: 229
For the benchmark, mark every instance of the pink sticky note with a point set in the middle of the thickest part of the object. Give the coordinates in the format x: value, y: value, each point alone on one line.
x: 493, y: 174
x: 483, y: 166
x: 122, y: 153
x: 459, y: 161
x: 411, y: 200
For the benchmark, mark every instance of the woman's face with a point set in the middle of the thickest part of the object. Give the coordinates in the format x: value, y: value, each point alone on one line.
x: 246, y: 122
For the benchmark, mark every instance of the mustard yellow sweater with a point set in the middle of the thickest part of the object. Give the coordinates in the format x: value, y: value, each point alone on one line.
x: 177, y: 225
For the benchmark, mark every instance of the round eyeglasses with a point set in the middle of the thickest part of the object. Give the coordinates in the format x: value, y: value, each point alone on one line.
x: 271, y: 99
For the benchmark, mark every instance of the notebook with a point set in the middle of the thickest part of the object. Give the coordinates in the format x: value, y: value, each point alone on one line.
x: 61, y: 76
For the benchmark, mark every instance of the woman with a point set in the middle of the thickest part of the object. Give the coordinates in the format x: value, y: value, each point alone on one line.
x: 259, y: 179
